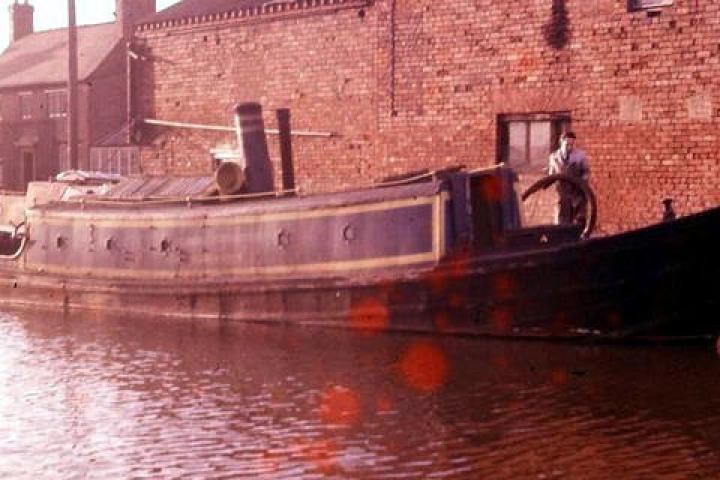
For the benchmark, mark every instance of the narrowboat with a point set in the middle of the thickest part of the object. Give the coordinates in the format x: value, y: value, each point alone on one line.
x: 441, y: 252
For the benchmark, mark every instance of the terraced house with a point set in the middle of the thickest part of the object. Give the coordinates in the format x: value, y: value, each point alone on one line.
x: 34, y: 96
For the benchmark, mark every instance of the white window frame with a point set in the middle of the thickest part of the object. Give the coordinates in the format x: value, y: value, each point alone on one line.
x: 559, y: 122
x: 50, y: 104
x: 639, y: 5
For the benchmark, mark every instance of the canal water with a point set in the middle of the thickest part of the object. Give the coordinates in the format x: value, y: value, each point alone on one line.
x: 99, y: 398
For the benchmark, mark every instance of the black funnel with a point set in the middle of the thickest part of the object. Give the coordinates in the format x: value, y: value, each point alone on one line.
x: 253, y: 145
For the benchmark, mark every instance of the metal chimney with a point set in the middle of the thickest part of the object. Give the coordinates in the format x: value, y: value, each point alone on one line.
x: 252, y: 144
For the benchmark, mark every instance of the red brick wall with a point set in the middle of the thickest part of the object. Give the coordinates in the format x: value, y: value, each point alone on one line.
x: 419, y: 84
x: 321, y: 66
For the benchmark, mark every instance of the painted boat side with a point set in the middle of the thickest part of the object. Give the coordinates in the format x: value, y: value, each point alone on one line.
x: 640, y: 284
x: 239, y: 241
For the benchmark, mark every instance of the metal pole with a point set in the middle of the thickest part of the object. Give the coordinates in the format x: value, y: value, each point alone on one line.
x: 128, y: 93
x: 220, y: 128
x: 72, y: 137
x: 253, y: 145
x: 288, y: 171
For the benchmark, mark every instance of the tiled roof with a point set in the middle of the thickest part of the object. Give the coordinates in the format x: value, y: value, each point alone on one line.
x: 196, y: 8
x: 201, y: 11
x: 42, y: 57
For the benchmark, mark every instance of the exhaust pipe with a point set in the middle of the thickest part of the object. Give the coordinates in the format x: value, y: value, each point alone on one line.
x: 253, y: 146
x: 288, y: 171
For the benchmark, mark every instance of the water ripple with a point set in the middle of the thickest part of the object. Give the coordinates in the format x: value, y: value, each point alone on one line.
x: 99, y: 398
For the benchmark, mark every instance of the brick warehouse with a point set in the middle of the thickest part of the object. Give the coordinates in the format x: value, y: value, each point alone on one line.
x: 422, y: 84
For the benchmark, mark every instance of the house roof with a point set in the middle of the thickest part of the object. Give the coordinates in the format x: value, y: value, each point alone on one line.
x: 42, y: 57
x: 196, y: 8
x: 201, y: 11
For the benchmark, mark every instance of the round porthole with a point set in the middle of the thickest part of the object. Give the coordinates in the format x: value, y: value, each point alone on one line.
x: 348, y: 233
x: 283, y: 238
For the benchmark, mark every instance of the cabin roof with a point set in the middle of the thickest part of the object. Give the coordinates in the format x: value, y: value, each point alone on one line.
x: 138, y: 188
x: 41, y: 57
x: 126, y: 197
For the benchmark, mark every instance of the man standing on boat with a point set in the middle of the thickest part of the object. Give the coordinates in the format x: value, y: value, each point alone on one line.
x: 571, y: 161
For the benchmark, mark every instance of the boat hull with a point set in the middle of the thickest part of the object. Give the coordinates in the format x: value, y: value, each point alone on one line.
x: 660, y: 282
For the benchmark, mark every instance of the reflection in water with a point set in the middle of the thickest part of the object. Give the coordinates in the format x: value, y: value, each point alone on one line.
x: 102, y: 398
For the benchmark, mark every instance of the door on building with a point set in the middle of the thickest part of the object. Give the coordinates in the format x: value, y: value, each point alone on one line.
x: 28, y: 165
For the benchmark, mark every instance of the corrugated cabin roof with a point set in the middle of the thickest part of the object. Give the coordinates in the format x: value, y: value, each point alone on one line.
x: 41, y: 57
x: 161, y: 187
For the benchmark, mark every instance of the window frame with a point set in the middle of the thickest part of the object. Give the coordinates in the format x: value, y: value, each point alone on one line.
x: 52, y: 112
x: 121, y: 160
x: 642, y: 5
x: 63, y: 162
x: 25, y: 100
x: 560, y: 122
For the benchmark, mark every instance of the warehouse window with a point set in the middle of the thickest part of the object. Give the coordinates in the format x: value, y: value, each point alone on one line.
x: 635, y: 5
x: 525, y: 141
x: 120, y: 160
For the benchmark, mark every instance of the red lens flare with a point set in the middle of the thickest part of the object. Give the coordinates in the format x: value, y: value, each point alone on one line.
x: 441, y: 321
x: 492, y: 189
x: 424, y: 367
x: 503, y: 286
x: 370, y: 315
x: 559, y: 377
x: 323, y: 454
x: 384, y: 403
x: 340, y: 406
x: 501, y: 319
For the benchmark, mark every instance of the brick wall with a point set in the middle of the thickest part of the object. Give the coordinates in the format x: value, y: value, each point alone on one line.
x: 419, y: 84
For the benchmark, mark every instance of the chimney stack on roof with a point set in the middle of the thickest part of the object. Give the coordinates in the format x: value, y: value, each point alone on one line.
x: 130, y: 12
x: 21, y: 20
